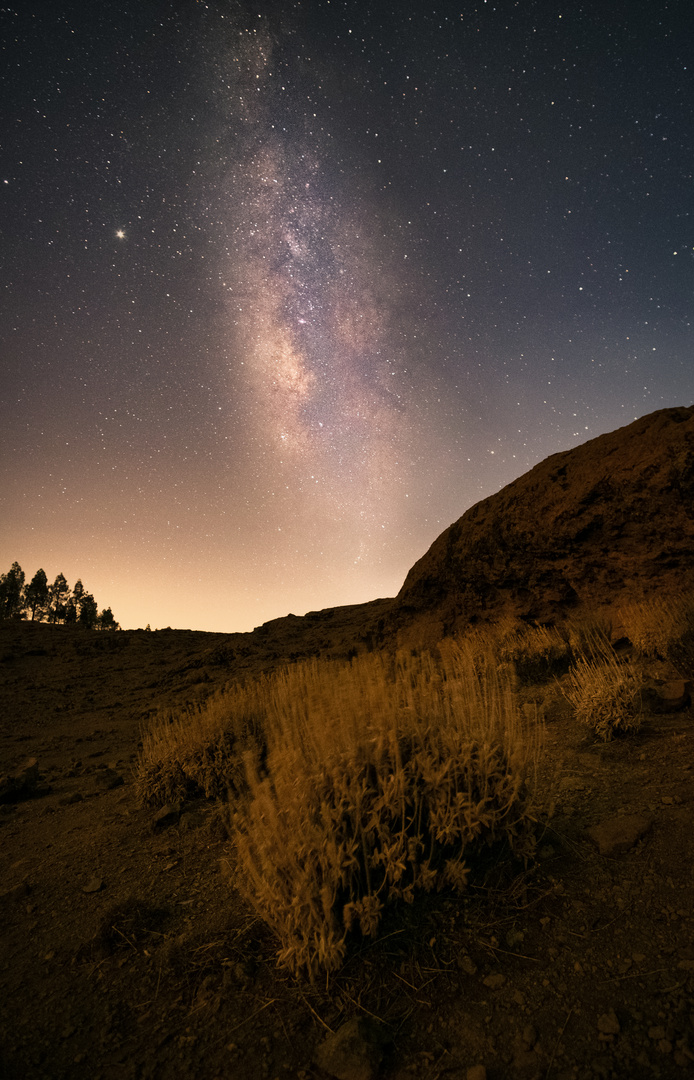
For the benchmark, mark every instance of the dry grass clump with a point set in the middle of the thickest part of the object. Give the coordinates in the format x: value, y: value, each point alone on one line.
x: 381, y: 778
x: 662, y: 627
x: 589, y: 637
x: 199, y: 751
x: 536, y: 652
x: 605, y: 692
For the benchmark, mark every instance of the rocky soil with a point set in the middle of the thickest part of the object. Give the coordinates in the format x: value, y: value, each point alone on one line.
x: 126, y: 952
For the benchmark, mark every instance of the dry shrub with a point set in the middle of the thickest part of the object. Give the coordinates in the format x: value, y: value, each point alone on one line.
x: 536, y: 652
x: 662, y: 627
x: 199, y: 751
x: 381, y: 778
x: 605, y: 692
x: 589, y: 637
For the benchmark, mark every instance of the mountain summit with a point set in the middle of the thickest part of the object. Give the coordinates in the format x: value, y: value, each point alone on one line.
x: 612, y: 519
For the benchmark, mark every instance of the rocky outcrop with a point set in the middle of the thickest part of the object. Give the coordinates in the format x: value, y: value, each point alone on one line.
x: 22, y: 784
x: 610, y: 520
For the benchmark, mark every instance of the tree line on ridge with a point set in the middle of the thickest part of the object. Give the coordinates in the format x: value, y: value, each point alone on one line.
x: 55, y: 603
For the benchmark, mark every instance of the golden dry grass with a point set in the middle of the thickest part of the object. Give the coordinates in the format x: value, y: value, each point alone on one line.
x: 605, y: 691
x: 662, y: 627
x: 199, y: 750
x: 353, y: 785
x: 365, y: 781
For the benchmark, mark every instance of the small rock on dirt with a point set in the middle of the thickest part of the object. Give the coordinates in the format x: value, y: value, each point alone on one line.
x: 354, y: 1052
x: 108, y: 779
x: 22, y: 785
x: 167, y: 816
x: 94, y: 885
x: 608, y: 1023
x: 669, y: 697
x: 618, y: 834
x: 15, y: 893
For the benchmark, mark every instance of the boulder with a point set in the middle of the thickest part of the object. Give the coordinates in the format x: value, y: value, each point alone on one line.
x: 22, y: 785
x: 616, y: 835
x: 354, y: 1052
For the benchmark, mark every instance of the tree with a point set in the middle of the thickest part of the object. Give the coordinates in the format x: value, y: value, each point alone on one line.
x: 88, y: 612
x: 55, y: 602
x: 11, y: 593
x: 106, y: 620
x: 36, y: 594
x: 57, y: 599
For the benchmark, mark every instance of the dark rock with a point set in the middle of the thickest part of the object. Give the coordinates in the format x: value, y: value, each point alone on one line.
x: 617, y: 835
x: 94, y: 885
x: 14, y: 894
x: 107, y: 779
x: 355, y: 1051
x: 166, y: 817
x: 70, y: 800
x: 608, y: 1024
x: 668, y: 697
x: 22, y: 785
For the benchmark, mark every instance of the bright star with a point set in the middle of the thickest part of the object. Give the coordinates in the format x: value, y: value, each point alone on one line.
x: 120, y: 234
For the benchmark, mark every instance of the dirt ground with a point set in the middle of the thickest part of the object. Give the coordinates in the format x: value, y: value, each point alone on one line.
x: 127, y: 954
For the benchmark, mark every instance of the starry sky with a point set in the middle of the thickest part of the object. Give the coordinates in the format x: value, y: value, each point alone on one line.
x: 288, y: 286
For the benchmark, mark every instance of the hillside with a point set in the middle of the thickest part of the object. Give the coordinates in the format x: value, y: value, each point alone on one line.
x: 609, y: 520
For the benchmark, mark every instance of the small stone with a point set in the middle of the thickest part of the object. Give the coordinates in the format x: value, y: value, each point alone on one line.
x: 467, y: 965
x: 656, y: 1033
x: 354, y: 1052
x: 17, y: 892
x: 22, y: 785
x: 70, y: 800
x: 529, y: 1035
x: 495, y: 981
x: 94, y: 885
x: 617, y: 835
x: 670, y: 697
x: 608, y: 1023
x: 167, y: 816
x: 108, y: 779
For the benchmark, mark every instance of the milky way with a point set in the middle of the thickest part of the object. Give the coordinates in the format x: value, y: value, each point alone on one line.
x: 316, y: 309
x: 288, y: 287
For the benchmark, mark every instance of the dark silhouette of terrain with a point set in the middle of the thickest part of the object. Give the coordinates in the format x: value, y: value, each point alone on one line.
x: 609, y: 521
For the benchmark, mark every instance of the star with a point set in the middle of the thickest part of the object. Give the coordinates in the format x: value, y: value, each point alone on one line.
x: 120, y: 234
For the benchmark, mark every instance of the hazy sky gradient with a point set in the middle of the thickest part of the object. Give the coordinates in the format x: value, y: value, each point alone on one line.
x: 286, y: 288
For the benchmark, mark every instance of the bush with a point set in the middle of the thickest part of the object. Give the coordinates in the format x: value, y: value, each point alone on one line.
x: 199, y: 751
x: 536, y: 652
x: 664, y: 628
x: 381, y: 778
x: 606, y: 694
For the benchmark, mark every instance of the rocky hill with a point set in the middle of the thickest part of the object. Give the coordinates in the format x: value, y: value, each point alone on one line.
x: 609, y: 520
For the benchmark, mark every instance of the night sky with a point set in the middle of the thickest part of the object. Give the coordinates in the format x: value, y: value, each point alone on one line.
x: 287, y: 287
